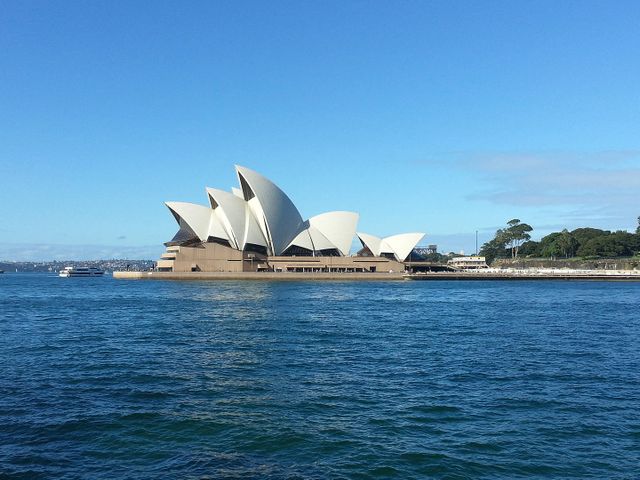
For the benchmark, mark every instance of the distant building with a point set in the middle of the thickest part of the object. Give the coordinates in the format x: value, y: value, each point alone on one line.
x: 257, y: 227
x: 426, y: 250
x: 468, y: 263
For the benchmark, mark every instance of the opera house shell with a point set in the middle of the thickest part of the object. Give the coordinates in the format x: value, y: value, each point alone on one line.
x: 257, y: 227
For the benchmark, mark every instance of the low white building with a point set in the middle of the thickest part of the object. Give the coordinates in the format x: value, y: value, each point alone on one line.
x: 468, y: 263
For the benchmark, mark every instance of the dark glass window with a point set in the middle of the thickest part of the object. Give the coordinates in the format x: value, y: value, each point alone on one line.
x: 221, y: 241
x: 329, y: 252
x: 297, y: 251
x: 250, y: 247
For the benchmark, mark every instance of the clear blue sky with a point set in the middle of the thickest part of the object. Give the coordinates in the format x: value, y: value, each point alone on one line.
x: 443, y: 117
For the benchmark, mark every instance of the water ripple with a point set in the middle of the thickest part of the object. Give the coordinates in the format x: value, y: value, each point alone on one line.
x: 196, y: 380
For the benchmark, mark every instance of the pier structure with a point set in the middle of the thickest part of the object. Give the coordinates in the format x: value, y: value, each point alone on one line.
x: 468, y: 275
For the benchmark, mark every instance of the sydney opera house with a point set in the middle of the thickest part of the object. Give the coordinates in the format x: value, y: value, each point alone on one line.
x: 258, y: 228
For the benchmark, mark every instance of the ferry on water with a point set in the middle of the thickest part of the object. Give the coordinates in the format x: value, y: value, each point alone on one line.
x: 81, y: 272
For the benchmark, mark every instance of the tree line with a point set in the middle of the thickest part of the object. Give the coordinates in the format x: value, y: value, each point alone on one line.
x: 515, y: 240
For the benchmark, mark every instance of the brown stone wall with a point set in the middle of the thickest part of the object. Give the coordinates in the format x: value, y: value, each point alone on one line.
x: 213, y: 257
x: 379, y: 264
x: 208, y: 257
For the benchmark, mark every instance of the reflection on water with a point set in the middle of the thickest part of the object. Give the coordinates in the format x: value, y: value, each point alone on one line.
x: 317, y: 380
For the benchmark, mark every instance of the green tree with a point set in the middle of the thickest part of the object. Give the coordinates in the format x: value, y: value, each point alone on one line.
x: 510, y: 238
x: 516, y: 234
x: 493, y: 249
x: 617, y: 244
x: 583, y: 235
x: 548, y: 246
x: 567, y: 244
x: 638, y: 227
x: 551, y: 250
x: 530, y: 248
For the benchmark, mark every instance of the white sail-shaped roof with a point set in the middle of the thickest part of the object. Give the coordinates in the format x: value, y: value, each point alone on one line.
x: 231, y: 211
x: 399, y: 245
x: 338, y: 227
x: 320, y: 241
x: 302, y: 240
x: 312, y: 239
x: 403, y: 244
x: 201, y: 219
x: 261, y: 214
x: 372, y: 242
x: 252, y: 231
x: 237, y: 218
x: 277, y: 216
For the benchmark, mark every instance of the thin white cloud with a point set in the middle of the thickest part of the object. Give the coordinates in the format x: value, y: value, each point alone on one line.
x: 594, y: 186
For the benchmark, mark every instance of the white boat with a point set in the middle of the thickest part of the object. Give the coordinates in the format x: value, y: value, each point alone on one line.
x: 81, y: 272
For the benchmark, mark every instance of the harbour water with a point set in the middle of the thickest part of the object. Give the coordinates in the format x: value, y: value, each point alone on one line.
x: 104, y: 379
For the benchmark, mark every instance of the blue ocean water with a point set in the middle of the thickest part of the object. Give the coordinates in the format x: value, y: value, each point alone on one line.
x: 103, y: 379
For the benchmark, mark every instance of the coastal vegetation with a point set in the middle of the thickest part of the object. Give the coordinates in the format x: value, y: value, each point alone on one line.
x: 508, y: 239
x: 585, y: 243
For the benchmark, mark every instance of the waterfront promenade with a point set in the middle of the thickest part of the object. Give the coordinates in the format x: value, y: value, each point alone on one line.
x: 491, y: 274
x: 530, y: 274
x: 368, y: 276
